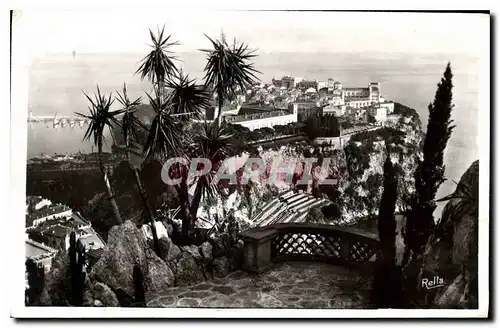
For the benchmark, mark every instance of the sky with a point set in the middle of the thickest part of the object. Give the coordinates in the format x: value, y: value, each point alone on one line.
x: 124, y: 31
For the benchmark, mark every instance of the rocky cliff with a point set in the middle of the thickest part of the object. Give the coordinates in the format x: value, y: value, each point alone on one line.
x: 110, y: 281
x: 451, y: 253
x: 359, y: 197
x: 358, y: 167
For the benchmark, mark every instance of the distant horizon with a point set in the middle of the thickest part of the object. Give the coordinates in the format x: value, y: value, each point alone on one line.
x: 360, y: 54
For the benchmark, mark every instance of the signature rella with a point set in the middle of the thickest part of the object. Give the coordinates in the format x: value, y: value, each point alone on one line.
x: 296, y: 171
x: 434, y: 283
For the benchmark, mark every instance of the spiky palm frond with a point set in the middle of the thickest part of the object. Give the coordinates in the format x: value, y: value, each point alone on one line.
x: 159, y: 63
x: 130, y: 123
x: 213, y: 142
x: 165, y: 133
x: 100, y: 117
x: 228, y: 68
x: 187, y: 97
x: 467, y: 196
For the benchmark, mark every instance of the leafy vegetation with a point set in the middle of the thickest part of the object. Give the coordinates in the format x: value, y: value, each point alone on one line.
x: 102, y: 117
x: 228, y: 70
x: 386, y: 283
x: 322, y: 126
x: 36, y: 280
x: 429, y: 174
x: 77, y: 271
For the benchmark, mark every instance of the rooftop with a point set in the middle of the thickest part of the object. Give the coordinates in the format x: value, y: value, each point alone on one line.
x: 35, y: 249
x: 304, y: 102
x: 347, y: 99
x: 59, y: 231
x: 77, y: 220
x: 256, y: 116
x: 255, y: 107
x: 356, y: 89
x: 95, y: 253
x: 92, y: 241
x: 49, y: 210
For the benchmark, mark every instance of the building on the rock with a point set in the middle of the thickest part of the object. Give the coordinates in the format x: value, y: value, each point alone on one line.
x: 57, y: 236
x: 40, y: 254
x: 305, y: 109
x: 286, y: 81
x: 260, y: 117
x: 387, y: 104
x: 329, y: 85
x: 337, y: 110
x: 308, y: 84
x: 35, y: 203
x: 380, y: 114
x: 362, y: 97
x: 47, y: 213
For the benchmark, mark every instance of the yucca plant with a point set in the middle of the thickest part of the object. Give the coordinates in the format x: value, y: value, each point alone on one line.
x: 188, y: 99
x: 165, y: 137
x: 130, y: 126
x: 228, y: 69
x: 467, y: 195
x: 101, y: 117
x: 158, y: 65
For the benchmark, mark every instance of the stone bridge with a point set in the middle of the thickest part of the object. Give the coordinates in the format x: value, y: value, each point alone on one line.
x: 289, y: 265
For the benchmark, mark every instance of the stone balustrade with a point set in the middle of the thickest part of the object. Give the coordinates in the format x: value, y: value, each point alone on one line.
x: 264, y: 246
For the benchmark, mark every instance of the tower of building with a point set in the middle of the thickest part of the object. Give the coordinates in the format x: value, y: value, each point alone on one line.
x: 375, y: 92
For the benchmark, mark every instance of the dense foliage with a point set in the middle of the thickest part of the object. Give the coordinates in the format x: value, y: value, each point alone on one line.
x: 228, y: 69
x: 364, y: 156
x: 429, y: 174
x: 36, y: 279
x: 405, y: 110
x: 77, y: 271
x: 322, y: 126
x: 386, y: 284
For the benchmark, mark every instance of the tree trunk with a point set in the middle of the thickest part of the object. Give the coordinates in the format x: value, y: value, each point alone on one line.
x: 195, y: 204
x: 161, y: 87
x: 144, y: 198
x: 109, y: 189
x: 219, y: 113
x: 187, y: 222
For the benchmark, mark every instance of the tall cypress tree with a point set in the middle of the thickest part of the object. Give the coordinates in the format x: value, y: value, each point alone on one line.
x: 386, y: 221
x: 76, y: 262
x: 430, y: 171
x: 386, y: 284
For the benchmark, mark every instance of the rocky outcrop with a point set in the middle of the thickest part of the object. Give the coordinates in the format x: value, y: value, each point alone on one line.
x: 221, y: 266
x: 126, y: 247
x: 452, y: 251
x: 110, y: 282
x: 104, y: 295
x: 168, y: 250
x: 187, y: 270
x: 206, y: 251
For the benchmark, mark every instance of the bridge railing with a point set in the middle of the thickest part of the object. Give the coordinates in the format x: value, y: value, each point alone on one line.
x: 305, y: 242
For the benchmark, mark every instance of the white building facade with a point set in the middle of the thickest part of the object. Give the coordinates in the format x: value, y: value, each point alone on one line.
x: 264, y: 120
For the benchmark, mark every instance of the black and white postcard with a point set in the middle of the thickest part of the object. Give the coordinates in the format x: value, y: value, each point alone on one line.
x: 250, y: 163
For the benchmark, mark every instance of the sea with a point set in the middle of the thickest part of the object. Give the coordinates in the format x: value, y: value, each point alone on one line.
x: 57, y: 83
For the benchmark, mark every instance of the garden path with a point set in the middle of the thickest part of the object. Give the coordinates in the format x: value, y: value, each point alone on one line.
x: 286, y: 285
